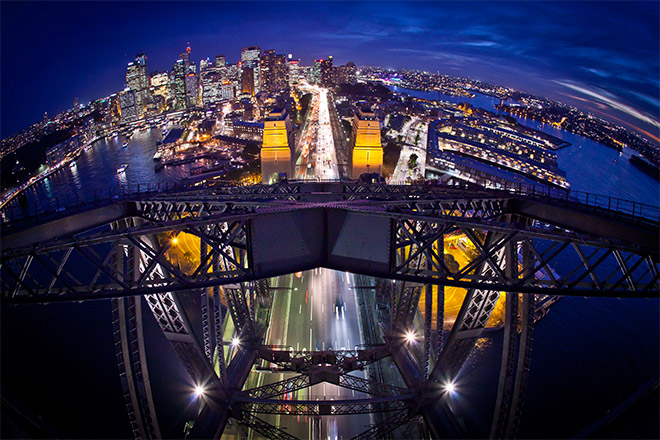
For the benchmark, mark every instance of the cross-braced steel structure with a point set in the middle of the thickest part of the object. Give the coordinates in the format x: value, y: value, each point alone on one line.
x: 520, y: 244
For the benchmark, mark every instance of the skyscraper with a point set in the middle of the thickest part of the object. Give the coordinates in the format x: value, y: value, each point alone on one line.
x: 274, y: 71
x: 327, y: 73
x: 346, y: 74
x: 315, y: 73
x: 137, y: 79
x: 128, y: 105
x: 250, y: 58
x: 295, y: 73
x: 185, y: 57
x: 221, y: 65
x: 160, y: 85
x: 247, y: 81
x: 211, y: 81
x: 178, y: 85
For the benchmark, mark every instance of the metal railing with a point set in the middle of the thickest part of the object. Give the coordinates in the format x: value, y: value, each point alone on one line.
x: 13, y: 216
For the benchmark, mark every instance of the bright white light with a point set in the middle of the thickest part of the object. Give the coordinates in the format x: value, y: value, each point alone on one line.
x: 235, y: 342
x: 175, y: 240
x: 199, y: 391
x: 450, y: 387
x: 410, y: 337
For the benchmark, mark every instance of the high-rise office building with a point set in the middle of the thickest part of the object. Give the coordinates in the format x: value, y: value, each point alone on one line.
x: 211, y: 81
x: 295, y: 72
x: 277, y: 148
x: 204, y: 64
x: 327, y: 73
x: 366, y: 151
x: 221, y: 65
x: 274, y: 71
x: 250, y: 58
x: 128, y: 105
x: 314, y: 76
x: 247, y: 81
x: 192, y: 89
x: 227, y: 90
x: 346, y: 74
x: 137, y: 79
x: 185, y: 57
x: 178, y: 85
x: 160, y: 85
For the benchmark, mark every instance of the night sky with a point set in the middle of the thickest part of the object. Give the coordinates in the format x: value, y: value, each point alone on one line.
x: 601, y: 57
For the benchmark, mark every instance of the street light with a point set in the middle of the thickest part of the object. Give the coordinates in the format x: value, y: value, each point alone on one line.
x: 450, y: 387
x: 410, y: 337
x: 235, y: 342
x: 199, y: 391
x: 175, y: 240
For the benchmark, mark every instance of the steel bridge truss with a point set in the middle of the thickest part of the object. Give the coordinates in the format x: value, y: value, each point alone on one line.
x: 508, y: 253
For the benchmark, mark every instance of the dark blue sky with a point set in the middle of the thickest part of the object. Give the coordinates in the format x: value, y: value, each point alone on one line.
x: 601, y: 57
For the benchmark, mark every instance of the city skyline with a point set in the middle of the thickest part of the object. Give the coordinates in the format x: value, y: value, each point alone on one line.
x: 604, y: 70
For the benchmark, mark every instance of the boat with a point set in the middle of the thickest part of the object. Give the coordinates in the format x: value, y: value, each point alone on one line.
x: 122, y: 168
x: 124, y: 145
x: 72, y: 165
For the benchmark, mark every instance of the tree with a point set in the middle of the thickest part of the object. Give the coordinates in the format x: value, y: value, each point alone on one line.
x: 412, y: 161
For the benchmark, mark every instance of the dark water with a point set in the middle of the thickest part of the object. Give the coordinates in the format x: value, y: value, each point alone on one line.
x: 588, y: 354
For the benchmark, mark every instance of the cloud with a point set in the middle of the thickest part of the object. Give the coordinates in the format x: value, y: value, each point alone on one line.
x: 607, y: 98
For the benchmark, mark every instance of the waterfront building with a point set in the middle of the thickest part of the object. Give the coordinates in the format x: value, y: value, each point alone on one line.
x: 366, y: 151
x: 61, y: 151
x: 277, y: 147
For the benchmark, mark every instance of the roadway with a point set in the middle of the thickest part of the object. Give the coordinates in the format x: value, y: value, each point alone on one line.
x: 316, y: 157
x: 315, y: 310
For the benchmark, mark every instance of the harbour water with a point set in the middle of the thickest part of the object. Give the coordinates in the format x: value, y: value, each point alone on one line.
x: 588, y: 354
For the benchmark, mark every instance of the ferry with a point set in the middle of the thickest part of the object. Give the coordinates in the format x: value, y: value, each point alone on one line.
x: 124, y: 145
x: 122, y: 168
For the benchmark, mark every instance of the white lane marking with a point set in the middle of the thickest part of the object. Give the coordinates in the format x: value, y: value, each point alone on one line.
x: 310, y: 340
x: 297, y: 346
x: 322, y: 308
x: 300, y: 309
